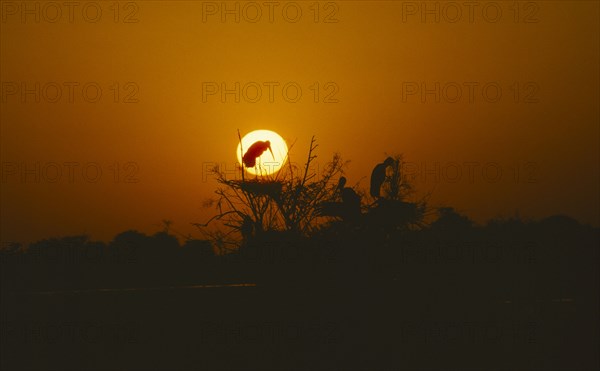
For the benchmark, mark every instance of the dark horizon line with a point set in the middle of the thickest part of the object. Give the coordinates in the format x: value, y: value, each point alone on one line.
x: 179, y: 235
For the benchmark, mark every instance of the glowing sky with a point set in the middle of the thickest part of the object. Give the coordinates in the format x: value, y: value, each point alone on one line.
x: 495, y: 107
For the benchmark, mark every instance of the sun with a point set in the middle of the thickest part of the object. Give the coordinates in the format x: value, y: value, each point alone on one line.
x: 267, y: 163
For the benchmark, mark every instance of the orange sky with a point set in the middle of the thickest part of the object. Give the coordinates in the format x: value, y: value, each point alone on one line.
x: 160, y: 131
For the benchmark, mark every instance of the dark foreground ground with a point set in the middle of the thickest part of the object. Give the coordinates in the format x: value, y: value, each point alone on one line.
x: 509, y: 295
x: 251, y: 327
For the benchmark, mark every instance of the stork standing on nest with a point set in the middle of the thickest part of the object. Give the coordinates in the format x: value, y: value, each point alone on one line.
x: 350, y: 200
x: 378, y: 176
x: 255, y: 151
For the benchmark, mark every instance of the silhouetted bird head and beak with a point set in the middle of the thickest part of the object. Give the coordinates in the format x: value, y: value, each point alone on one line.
x: 342, y: 183
x: 268, y: 143
x: 389, y: 161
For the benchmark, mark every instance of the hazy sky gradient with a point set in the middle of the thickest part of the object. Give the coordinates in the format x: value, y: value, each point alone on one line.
x: 375, y: 51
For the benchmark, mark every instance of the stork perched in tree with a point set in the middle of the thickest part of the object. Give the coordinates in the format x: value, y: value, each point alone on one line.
x: 350, y: 200
x: 348, y: 194
x: 255, y: 151
x: 378, y: 176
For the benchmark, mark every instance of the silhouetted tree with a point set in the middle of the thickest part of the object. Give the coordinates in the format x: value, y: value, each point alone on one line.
x: 283, y: 202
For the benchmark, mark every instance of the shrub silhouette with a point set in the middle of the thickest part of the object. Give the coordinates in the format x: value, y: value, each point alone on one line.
x: 284, y: 202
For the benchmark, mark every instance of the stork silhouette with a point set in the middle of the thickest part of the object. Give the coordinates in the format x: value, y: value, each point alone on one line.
x: 378, y: 176
x: 348, y: 194
x: 255, y: 151
x: 350, y: 200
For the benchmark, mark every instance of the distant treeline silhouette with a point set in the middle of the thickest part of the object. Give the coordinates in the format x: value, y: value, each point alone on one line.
x: 555, y: 257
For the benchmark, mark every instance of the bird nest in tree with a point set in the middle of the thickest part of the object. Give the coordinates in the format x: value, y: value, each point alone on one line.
x: 262, y: 187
